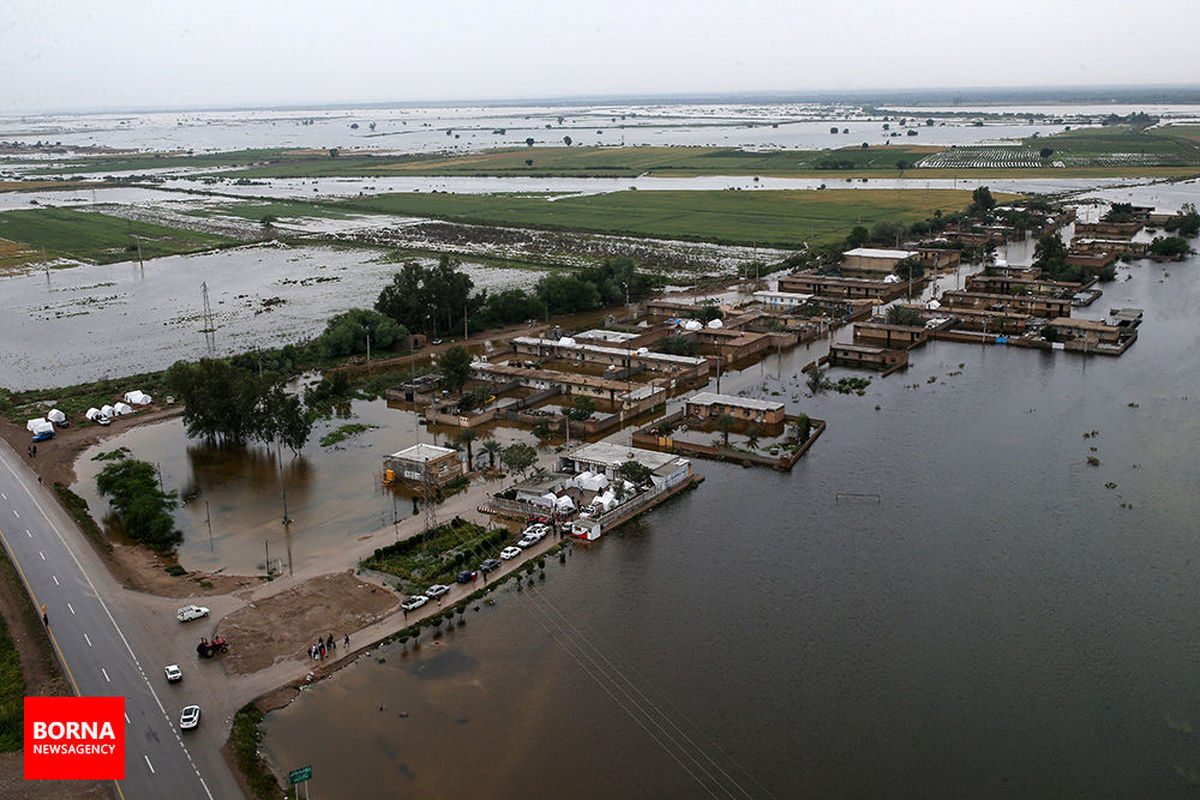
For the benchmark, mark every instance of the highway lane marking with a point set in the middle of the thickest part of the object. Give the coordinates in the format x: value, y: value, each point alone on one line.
x: 148, y: 764
x: 27, y: 533
x: 127, y: 722
x: 43, y: 555
x: 15, y: 514
x: 71, y: 607
x: 102, y: 669
x: 71, y: 552
x: 89, y: 641
x: 55, y: 579
x: 2, y: 494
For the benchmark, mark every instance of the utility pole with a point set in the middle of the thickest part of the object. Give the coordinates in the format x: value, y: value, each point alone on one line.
x: 282, y: 486
x: 368, y: 351
x: 208, y: 519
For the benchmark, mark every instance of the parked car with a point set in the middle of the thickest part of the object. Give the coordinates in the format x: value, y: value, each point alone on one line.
x: 173, y: 672
x: 490, y: 565
x: 189, y: 717
x: 466, y: 576
x: 103, y: 421
x: 510, y: 552
x: 436, y: 591
x: 528, y: 540
x: 188, y: 613
x: 414, y: 602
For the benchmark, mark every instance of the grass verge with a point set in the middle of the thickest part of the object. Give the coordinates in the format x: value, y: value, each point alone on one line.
x: 244, y: 742
x: 12, y: 693
x: 77, y: 507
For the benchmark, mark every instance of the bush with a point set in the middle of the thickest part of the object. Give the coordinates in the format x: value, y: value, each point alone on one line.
x: 245, y: 740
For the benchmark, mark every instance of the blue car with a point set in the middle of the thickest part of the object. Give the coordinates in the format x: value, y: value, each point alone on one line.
x: 466, y: 576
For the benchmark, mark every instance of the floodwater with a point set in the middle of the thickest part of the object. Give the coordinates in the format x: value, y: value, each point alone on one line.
x: 942, y: 599
x: 334, y: 494
x: 87, y: 322
x: 318, y: 188
x: 450, y: 129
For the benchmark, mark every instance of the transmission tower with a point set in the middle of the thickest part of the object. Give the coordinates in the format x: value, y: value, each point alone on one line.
x: 209, y: 330
x: 428, y: 499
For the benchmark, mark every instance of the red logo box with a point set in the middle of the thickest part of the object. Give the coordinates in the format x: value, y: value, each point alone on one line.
x: 74, y: 738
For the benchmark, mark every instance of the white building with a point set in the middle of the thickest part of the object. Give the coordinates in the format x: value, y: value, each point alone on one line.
x: 666, y: 469
x: 782, y: 301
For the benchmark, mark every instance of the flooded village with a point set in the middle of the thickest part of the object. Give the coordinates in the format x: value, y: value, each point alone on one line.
x: 735, y: 482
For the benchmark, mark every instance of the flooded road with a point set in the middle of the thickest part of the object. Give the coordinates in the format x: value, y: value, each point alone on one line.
x: 85, y: 323
x: 943, y: 598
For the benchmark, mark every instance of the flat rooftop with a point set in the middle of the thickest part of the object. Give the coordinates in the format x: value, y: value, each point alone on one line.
x: 614, y: 455
x: 712, y: 398
x: 872, y: 252
x: 423, y: 452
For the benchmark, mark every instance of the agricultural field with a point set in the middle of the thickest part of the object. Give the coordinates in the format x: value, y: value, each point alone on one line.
x: 281, y: 210
x: 1119, y: 148
x: 764, y: 218
x: 98, y: 238
x: 14, y: 255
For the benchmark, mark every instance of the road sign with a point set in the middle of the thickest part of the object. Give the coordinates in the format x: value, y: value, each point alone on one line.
x: 300, y: 775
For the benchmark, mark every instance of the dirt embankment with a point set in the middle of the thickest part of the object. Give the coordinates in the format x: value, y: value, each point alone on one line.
x: 286, y: 625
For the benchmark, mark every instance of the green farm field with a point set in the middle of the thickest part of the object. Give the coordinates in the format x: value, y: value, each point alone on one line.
x: 96, y: 238
x: 774, y: 218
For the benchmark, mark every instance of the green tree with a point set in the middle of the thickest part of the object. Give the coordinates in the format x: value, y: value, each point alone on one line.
x: 581, y: 409
x: 1046, y: 152
x: 1050, y: 254
x: 679, y: 346
x: 347, y: 333
x: 909, y: 269
x: 465, y: 437
x: 859, y: 235
x: 636, y: 473
x: 132, y: 488
x: 903, y: 315
x: 493, y: 449
x: 455, y: 366
x: 428, y: 299
x: 283, y: 418
x: 752, y: 434
x: 1169, y: 246
x: 518, y: 458
x: 724, y: 423
x: 982, y: 201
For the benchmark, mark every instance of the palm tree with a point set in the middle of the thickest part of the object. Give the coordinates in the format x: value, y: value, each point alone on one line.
x: 492, y: 448
x: 752, y: 437
x: 724, y: 423
x: 465, y: 437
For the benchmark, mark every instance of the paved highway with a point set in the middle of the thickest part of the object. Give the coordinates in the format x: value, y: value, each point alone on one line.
x: 110, y: 647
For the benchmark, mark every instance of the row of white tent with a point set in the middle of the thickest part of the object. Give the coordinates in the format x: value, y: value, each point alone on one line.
x: 118, y: 410
x: 39, y: 426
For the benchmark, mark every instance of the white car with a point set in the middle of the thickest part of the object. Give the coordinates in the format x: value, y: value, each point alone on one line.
x: 188, y: 613
x: 189, y: 717
x: 529, y: 540
x: 173, y: 672
x: 509, y: 553
x: 436, y: 591
x: 414, y: 602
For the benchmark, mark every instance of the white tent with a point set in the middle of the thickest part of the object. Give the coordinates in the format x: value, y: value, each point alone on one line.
x: 891, y: 279
x: 42, y: 426
x: 107, y: 411
x: 56, y: 415
x: 92, y: 413
x: 934, y: 304
x: 579, y: 479
x: 138, y: 398
x: 565, y: 503
x: 591, y: 482
x: 605, y: 501
x: 715, y: 323
x: 693, y: 325
x: 122, y: 409
x: 33, y: 424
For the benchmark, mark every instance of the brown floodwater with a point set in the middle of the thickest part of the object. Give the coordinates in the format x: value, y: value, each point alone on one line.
x: 334, y: 494
x: 943, y: 598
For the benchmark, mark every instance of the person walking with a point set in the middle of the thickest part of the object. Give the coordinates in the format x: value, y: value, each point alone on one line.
x: 322, y: 649
x: 346, y: 642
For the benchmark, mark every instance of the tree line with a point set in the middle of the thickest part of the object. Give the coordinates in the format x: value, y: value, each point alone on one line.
x: 440, y: 299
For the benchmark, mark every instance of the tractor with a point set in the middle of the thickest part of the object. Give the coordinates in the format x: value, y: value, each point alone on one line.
x: 207, y: 649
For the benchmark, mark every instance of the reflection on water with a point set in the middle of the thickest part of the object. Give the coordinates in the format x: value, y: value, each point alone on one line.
x: 1006, y: 620
x: 334, y: 494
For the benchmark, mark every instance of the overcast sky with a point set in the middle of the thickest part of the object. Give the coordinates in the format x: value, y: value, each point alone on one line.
x: 77, y: 54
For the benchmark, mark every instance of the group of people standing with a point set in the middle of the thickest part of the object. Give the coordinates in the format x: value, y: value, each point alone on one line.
x: 325, y: 647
